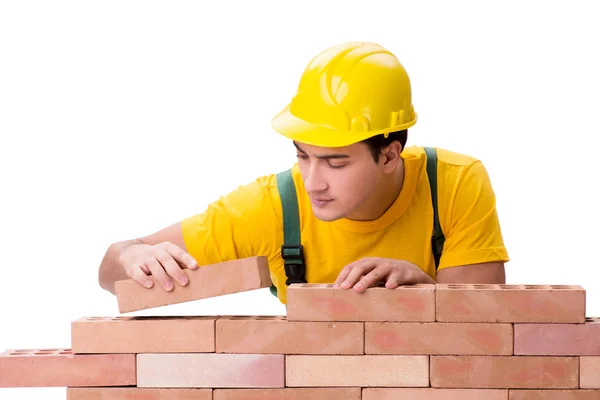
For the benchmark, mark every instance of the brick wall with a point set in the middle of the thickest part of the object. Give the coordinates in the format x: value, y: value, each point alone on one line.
x: 446, y: 341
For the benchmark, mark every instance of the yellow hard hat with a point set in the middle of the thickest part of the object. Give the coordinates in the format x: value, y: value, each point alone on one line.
x: 346, y: 94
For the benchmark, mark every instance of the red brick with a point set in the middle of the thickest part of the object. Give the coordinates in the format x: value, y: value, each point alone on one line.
x: 558, y: 339
x: 322, y: 302
x: 277, y: 335
x: 497, y: 372
x: 433, y: 394
x: 207, y: 281
x: 134, y: 393
x: 510, y: 303
x: 589, y: 369
x: 430, y: 338
x: 365, y: 371
x: 61, y: 368
x: 288, y: 394
x: 130, y: 334
x: 210, y: 370
x: 572, y: 394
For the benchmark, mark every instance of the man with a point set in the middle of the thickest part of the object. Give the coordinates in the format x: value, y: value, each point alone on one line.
x: 364, y: 201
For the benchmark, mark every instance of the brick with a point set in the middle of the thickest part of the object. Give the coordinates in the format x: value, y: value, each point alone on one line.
x: 288, y: 394
x: 589, y: 369
x: 207, y: 281
x: 558, y: 339
x: 433, y: 394
x: 130, y: 334
x: 510, y: 303
x: 446, y: 338
x: 134, y: 393
x: 572, y: 394
x: 504, y: 372
x: 210, y: 370
x: 364, y: 370
x: 277, y: 335
x: 322, y: 302
x: 61, y: 368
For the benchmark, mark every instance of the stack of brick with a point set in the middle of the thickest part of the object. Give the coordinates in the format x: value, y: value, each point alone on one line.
x: 445, y: 341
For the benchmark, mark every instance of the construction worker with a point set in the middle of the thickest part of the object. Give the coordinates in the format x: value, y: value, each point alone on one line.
x: 361, y: 209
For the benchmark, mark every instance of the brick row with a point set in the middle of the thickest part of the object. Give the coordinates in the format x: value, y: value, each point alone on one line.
x: 58, y: 367
x: 278, y: 371
x: 61, y: 368
x: 279, y: 335
x: 329, y: 394
x: 440, y: 302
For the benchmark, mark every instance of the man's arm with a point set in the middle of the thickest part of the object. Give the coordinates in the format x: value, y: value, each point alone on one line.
x: 474, y: 250
x: 492, y: 272
x: 241, y: 224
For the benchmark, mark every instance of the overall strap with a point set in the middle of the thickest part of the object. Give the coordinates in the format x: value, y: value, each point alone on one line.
x: 438, y: 239
x: 292, y: 251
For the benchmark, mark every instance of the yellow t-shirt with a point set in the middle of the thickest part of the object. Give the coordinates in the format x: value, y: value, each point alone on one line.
x: 248, y: 222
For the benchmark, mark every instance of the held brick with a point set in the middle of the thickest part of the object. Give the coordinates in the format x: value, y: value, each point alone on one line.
x: 288, y: 394
x: 572, y: 394
x: 510, y: 303
x: 210, y: 370
x: 277, y: 335
x: 504, y: 372
x: 61, y: 368
x: 365, y: 371
x: 589, y: 369
x: 323, y: 302
x: 141, y: 334
x: 207, y: 281
x: 445, y: 338
x: 433, y: 394
x: 134, y: 393
x: 558, y: 339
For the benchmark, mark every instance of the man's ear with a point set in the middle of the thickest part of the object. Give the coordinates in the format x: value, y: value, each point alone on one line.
x: 391, y: 155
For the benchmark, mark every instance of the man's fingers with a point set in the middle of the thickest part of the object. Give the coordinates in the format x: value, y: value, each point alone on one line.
x: 182, y: 257
x: 138, y: 274
x: 343, y: 275
x: 393, y: 281
x: 172, y: 268
x: 357, y: 273
x: 159, y: 273
x: 370, y: 279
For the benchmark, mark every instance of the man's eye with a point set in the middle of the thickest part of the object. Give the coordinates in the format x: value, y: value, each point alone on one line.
x: 302, y: 156
x: 336, y: 166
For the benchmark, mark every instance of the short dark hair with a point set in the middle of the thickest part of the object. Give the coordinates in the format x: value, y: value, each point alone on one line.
x: 378, y: 142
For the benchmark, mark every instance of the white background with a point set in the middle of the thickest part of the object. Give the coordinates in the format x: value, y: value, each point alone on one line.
x: 118, y: 118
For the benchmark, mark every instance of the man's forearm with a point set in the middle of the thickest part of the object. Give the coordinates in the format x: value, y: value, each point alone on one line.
x: 111, y: 269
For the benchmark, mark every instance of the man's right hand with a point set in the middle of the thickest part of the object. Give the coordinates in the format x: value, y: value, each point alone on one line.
x: 162, y: 261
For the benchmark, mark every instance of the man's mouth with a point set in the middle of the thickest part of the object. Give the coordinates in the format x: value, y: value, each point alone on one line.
x: 320, y: 201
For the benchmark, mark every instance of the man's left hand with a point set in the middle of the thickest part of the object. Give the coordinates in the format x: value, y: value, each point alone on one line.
x: 393, y: 272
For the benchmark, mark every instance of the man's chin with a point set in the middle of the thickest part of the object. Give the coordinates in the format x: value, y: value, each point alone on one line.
x: 327, y: 217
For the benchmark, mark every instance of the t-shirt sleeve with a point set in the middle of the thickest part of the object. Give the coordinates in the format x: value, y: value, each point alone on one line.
x: 241, y: 224
x: 472, y: 228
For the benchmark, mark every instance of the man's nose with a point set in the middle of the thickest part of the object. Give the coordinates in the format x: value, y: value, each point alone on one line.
x: 314, y: 181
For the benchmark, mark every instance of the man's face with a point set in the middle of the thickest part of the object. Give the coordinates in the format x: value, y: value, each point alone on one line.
x: 340, y: 180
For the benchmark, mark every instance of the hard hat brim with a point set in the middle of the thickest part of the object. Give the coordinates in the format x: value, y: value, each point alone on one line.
x: 302, y: 131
